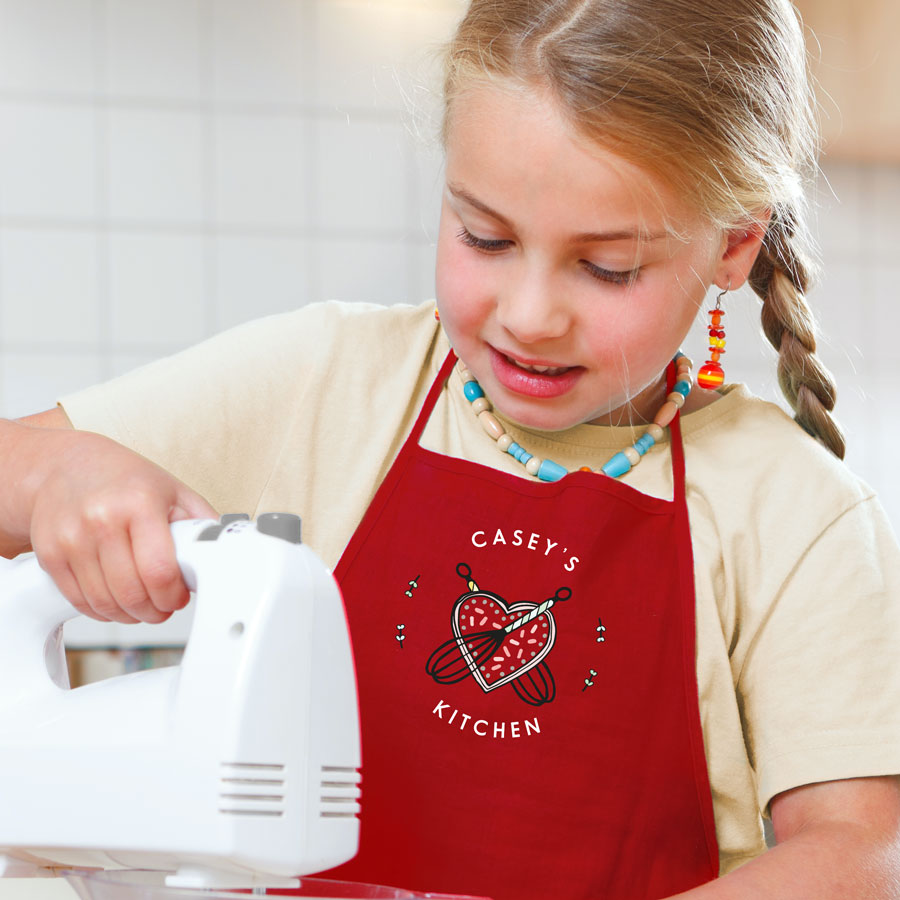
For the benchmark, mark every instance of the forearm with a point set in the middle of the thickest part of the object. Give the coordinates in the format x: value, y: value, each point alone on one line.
x: 27, y: 449
x: 16, y: 452
x: 823, y: 861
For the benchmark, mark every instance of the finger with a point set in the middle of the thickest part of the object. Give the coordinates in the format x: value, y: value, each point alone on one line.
x: 124, y: 582
x: 157, y: 567
x: 190, y: 505
x: 64, y: 579
x: 101, y: 604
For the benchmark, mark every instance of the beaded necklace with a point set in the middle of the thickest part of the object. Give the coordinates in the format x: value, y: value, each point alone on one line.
x: 616, y: 466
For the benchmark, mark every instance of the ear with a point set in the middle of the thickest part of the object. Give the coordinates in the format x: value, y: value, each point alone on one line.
x: 738, y: 252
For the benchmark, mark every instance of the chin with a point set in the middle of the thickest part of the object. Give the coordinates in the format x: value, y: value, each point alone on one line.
x: 541, y: 419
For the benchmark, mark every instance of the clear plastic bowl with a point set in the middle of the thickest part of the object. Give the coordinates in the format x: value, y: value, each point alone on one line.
x: 143, y: 884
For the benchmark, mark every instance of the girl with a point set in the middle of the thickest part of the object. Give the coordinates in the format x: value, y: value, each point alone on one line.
x: 591, y: 662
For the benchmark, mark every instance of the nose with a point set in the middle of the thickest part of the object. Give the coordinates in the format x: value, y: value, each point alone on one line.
x: 532, y: 308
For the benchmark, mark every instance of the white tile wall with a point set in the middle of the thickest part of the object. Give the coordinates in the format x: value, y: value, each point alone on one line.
x: 155, y: 281
x: 49, y: 46
x: 154, y: 50
x: 154, y: 166
x: 169, y: 168
x: 258, y: 276
x: 261, y: 51
x: 260, y: 169
x: 50, y: 159
x: 50, y: 285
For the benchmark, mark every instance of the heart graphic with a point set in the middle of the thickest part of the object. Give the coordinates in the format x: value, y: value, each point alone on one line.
x: 479, y: 613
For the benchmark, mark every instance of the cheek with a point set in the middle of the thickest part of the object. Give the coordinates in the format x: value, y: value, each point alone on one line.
x: 461, y: 293
x: 640, y: 332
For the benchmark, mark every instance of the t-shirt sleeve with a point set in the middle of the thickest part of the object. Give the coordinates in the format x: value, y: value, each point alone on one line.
x: 216, y: 415
x: 819, y: 685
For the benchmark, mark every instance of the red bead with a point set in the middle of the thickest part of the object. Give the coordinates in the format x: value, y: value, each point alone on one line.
x: 710, y: 376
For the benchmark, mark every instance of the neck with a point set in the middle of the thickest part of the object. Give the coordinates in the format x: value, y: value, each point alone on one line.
x: 640, y: 409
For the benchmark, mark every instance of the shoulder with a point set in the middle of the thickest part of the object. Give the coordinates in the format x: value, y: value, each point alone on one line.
x: 328, y: 346
x: 322, y: 329
x: 750, y: 450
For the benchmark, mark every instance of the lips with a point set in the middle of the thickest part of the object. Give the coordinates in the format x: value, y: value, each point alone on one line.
x: 533, y: 378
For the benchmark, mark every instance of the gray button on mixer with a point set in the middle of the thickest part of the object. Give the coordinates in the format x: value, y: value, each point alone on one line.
x: 228, y: 518
x: 280, y: 525
x: 211, y: 533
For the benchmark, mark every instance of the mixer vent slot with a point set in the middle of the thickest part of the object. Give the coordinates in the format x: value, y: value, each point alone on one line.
x: 340, y: 792
x: 252, y: 789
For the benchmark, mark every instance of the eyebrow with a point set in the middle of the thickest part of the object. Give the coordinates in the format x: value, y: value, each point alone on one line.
x: 588, y: 237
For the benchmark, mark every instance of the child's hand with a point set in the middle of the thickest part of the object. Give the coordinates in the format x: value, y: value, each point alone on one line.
x: 99, y: 523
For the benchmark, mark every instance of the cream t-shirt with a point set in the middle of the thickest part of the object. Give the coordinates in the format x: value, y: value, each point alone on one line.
x: 797, y: 572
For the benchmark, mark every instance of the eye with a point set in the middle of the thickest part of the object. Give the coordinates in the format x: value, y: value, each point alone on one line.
x: 478, y: 243
x: 612, y: 276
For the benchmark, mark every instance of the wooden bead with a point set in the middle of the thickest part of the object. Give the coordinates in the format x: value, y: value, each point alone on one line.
x: 504, y: 442
x: 666, y: 414
x: 655, y: 431
x: 686, y: 362
x: 533, y: 464
x: 480, y: 405
x: 676, y: 398
x: 490, y: 424
x: 633, y: 456
x: 463, y: 372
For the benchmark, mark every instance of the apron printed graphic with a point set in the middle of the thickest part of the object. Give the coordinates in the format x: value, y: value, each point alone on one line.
x: 498, y: 643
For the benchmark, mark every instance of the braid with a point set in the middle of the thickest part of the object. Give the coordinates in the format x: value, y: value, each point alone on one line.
x: 780, y: 276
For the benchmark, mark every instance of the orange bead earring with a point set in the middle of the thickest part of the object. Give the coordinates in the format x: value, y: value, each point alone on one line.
x: 711, y: 374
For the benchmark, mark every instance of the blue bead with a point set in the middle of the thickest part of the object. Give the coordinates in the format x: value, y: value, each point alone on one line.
x: 617, y: 466
x: 519, y: 453
x: 551, y: 471
x: 643, y: 444
x: 682, y: 387
x: 472, y: 390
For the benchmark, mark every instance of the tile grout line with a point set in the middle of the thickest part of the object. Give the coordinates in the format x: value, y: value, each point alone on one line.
x: 102, y: 158
x: 313, y: 281
x: 206, y: 30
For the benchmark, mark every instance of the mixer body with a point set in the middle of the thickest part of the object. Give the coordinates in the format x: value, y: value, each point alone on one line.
x: 239, y: 767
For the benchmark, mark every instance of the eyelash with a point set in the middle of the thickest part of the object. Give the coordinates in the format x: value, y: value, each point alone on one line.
x: 609, y: 276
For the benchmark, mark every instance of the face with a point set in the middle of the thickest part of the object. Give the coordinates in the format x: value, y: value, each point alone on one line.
x: 560, y: 283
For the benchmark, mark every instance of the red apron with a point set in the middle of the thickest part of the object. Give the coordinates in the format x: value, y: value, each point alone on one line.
x: 527, y: 684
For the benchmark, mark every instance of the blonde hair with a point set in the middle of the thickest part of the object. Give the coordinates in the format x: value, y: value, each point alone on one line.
x: 713, y: 97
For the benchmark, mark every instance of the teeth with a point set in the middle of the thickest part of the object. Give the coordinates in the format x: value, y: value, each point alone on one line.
x: 540, y: 370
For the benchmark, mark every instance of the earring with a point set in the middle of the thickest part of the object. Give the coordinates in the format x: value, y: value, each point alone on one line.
x: 711, y: 375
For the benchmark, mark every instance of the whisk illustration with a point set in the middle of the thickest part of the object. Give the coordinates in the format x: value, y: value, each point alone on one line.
x: 503, y: 644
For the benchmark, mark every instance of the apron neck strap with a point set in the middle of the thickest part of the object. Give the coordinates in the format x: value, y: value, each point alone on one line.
x: 677, y: 447
x: 436, y: 388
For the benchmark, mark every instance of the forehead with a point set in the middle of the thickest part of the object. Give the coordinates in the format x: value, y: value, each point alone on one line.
x: 514, y: 145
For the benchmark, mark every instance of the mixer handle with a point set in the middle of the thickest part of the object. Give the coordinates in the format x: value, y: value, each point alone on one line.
x: 33, y: 611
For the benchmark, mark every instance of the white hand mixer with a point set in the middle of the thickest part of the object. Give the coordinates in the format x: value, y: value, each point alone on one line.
x: 240, y: 767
